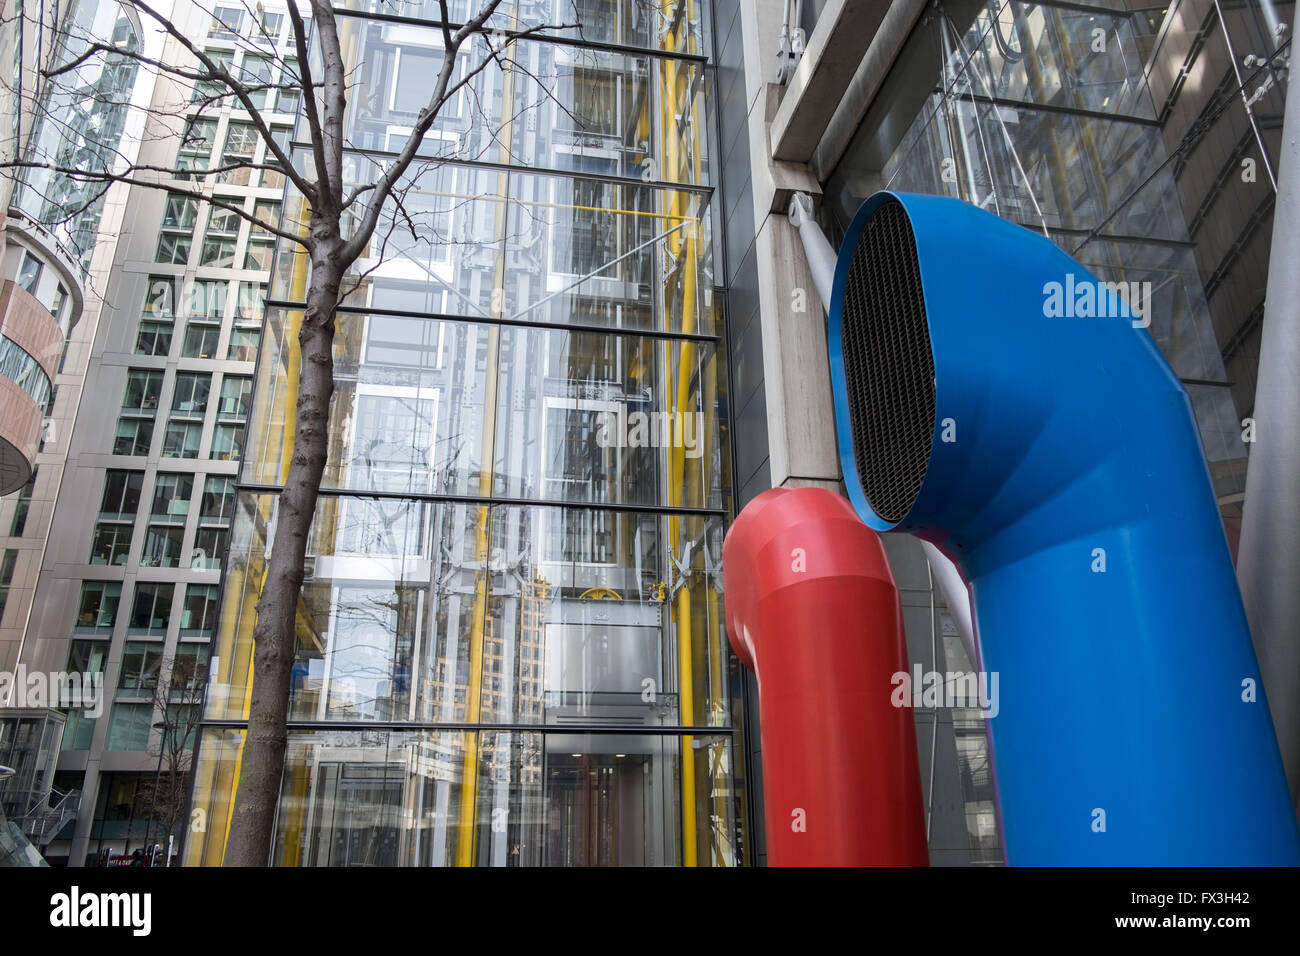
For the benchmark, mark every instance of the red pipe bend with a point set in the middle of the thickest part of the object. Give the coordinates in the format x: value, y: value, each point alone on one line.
x: 813, y: 611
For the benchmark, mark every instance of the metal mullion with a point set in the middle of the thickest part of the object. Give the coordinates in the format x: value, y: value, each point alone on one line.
x: 621, y: 331
x: 552, y: 38
x: 440, y: 161
x: 493, y: 500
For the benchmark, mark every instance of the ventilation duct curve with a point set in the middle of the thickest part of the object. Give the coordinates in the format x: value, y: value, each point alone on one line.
x: 1052, y: 453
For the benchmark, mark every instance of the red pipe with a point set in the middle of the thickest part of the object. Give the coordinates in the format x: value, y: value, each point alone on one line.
x: 813, y: 611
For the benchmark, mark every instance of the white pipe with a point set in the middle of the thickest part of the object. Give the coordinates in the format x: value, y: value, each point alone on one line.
x: 1276, y: 29
x: 821, y: 257
x: 956, y: 595
x: 821, y: 262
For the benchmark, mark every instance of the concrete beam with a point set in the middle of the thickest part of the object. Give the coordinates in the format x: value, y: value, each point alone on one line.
x: 772, y: 181
x: 796, y: 369
x: 844, y: 30
x: 866, y: 81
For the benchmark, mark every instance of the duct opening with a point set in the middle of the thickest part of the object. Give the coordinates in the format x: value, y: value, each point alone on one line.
x: 888, y: 363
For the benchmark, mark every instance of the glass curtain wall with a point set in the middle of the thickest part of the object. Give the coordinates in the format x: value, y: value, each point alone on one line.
x: 80, y: 123
x: 510, y: 646
x: 1121, y: 132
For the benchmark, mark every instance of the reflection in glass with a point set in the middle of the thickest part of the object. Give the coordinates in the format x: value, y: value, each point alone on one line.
x: 410, y: 798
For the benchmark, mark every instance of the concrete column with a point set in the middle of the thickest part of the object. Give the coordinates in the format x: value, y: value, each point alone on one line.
x: 1268, y: 558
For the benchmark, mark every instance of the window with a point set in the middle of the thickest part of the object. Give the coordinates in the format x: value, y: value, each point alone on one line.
x: 162, y: 546
x: 393, y: 442
x: 268, y: 212
x: 201, y: 339
x: 209, y: 548
x: 200, y: 613
x: 271, y: 24
x: 97, y: 609
x: 189, y: 668
x: 17, y: 365
x: 133, y: 436
x: 143, y: 387
x: 249, y: 299
x: 171, y: 496
x: 79, y: 731
x: 241, y: 144
x: 128, y: 726
x: 218, y: 253
x: 141, y: 661
x: 227, y: 23
x: 88, y: 657
x: 290, y: 88
x: 398, y: 340
x: 223, y: 221
x: 174, y: 248
x: 181, y: 212
x: 121, y: 497
x: 7, y: 565
x: 182, y: 439
x: 60, y: 300
x: 190, y: 398
x: 177, y: 235
x: 256, y: 72
x: 273, y: 179
x: 29, y: 273
x: 414, y: 68
x: 259, y: 253
x: 235, y: 393
x: 84, y: 657
x: 195, y: 153
x: 151, y: 610
x: 154, y: 337
x: 22, y: 506
x: 218, y: 502
x: 183, y: 718
x: 220, y: 239
x: 208, y: 92
x: 228, y: 442
x: 160, y: 298
x: 111, y: 544
x: 207, y: 299
x: 243, y: 344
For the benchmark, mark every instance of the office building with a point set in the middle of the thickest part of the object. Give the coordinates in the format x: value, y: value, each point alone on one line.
x: 586, y: 342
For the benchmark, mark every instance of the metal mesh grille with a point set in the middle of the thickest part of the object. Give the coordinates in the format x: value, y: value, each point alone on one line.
x: 888, y: 363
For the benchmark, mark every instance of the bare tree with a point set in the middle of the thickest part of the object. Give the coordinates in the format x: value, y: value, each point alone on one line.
x: 340, y: 225
x: 178, y: 697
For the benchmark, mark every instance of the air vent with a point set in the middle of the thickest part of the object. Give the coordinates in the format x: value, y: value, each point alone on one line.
x: 888, y: 364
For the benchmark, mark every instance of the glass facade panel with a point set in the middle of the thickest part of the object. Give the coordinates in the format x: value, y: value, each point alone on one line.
x: 527, y: 476
x: 451, y: 612
x: 587, y: 252
x: 1066, y: 120
x: 490, y: 798
x: 579, y: 417
x: 633, y: 23
x: 562, y: 107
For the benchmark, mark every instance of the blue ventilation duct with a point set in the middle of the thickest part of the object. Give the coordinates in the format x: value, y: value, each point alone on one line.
x: 993, y: 398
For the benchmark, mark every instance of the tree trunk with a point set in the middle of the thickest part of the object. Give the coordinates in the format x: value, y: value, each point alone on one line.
x: 262, y: 765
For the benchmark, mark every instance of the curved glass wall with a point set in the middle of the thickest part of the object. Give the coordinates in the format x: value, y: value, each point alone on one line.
x: 511, y: 648
x: 79, y: 125
x: 17, y: 365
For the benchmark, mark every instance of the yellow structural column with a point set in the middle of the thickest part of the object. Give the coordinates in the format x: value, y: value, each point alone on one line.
x: 672, y: 104
x: 465, y: 841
